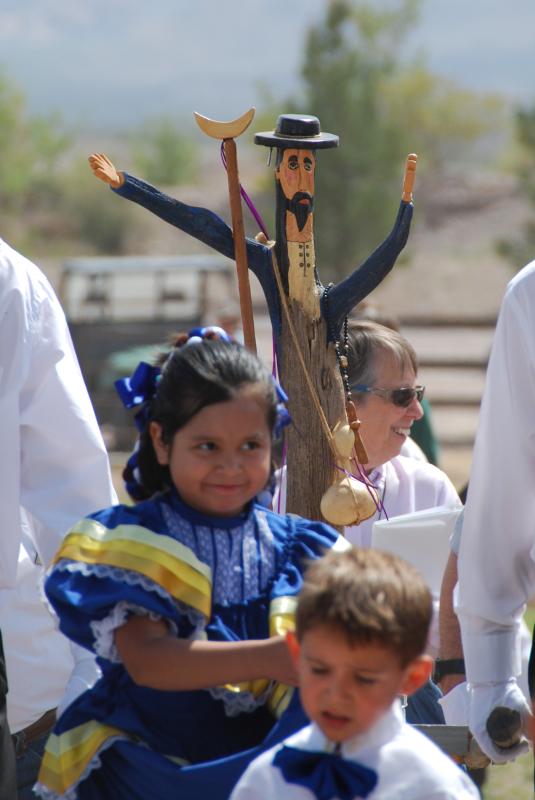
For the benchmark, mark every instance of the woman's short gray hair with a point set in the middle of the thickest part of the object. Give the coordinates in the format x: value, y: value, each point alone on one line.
x: 366, y: 341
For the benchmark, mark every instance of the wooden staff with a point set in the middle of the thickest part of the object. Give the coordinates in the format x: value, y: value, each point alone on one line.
x: 228, y: 131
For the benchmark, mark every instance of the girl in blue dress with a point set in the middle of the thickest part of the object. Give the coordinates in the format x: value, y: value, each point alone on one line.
x: 184, y: 597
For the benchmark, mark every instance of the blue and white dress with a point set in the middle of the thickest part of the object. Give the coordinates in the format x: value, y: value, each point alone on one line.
x: 228, y: 579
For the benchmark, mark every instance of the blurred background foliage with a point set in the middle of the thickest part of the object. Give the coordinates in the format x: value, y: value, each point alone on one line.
x: 358, y: 83
x: 521, y: 251
x: 163, y: 154
x: 50, y: 203
x: 355, y: 78
x: 30, y: 148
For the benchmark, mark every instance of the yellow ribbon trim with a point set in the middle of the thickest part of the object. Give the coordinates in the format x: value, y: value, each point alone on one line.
x: 280, y: 699
x: 131, y: 547
x: 136, y: 533
x: 286, y: 604
x: 256, y: 687
x: 282, y: 615
x: 66, y: 756
x: 281, y: 624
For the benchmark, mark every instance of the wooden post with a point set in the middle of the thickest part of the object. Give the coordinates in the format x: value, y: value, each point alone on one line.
x: 238, y: 232
x: 228, y: 131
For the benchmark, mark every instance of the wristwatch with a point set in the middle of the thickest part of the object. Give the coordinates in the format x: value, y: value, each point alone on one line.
x: 449, y: 666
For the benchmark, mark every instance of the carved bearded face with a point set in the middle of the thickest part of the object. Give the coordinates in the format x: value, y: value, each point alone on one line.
x: 296, y: 176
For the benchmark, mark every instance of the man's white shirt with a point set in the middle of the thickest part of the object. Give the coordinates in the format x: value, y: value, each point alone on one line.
x: 497, y: 553
x: 54, y: 470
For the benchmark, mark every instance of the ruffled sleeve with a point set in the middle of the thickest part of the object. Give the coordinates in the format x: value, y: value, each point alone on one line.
x: 108, y: 568
x: 307, y: 542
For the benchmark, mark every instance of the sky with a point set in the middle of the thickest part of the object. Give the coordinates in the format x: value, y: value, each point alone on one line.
x: 110, y: 63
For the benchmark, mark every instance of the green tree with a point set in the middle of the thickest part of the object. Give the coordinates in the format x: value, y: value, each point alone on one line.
x: 30, y: 147
x: 94, y: 216
x: 357, y: 82
x: 521, y: 250
x: 163, y: 154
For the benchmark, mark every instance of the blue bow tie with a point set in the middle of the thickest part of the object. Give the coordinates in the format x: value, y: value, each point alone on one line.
x: 328, y: 776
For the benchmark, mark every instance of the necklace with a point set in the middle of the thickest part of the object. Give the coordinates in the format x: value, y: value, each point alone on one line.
x: 342, y: 359
x: 351, y: 411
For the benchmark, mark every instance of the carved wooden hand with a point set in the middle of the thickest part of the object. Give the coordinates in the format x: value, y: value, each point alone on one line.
x: 104, y: 169
x: 410, y: 173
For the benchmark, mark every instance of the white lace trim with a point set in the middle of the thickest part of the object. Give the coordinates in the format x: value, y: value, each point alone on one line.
x: 72, y: 792
x: 103, y: 629
x: 239, y: 702
x: 119, y: 574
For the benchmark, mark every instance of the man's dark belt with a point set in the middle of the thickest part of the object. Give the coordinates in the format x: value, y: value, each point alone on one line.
x: 38, y: 728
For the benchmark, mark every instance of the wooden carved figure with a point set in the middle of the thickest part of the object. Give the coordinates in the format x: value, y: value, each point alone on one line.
x: 307, y: 318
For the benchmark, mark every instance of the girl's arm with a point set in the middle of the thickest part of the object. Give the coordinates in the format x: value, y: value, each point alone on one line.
x: 155, y: 659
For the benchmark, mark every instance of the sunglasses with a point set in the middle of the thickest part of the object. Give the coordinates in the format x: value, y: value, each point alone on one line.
x: 400, y: 397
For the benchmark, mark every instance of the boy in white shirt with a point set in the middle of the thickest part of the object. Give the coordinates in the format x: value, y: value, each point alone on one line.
x: 361, y: 628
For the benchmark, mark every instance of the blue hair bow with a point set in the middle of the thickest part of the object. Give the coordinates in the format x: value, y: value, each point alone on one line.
x: 135, y: 391
x: 328, y: 776
x: 198, y: 334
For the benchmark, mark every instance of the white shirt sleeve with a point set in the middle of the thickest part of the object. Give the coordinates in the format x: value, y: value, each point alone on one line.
x: 64, y: 467
x: 496, y: 556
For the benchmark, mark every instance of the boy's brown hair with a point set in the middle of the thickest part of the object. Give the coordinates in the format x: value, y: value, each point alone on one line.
x: 371, y: 597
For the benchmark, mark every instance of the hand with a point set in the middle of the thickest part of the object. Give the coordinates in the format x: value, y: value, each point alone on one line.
x: 410, y: 172
x: 104, y: 169
x: 279, y: 664
x: 485, y: 698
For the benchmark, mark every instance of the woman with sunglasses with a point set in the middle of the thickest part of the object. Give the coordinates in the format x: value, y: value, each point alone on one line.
x: 382, y: 369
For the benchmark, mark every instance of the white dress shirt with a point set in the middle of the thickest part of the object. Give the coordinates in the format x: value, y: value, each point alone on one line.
x: 54, y: 470
x: 408, y: 764
x: 497, y: 553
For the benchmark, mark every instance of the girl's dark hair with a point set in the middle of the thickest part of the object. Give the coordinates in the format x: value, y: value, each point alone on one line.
x: 195, y: 376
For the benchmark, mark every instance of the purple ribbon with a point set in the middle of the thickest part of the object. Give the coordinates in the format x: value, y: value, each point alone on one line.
x: 245, y: 196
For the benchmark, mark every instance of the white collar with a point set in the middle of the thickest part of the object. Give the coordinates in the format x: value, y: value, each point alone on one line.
x: 383, y: 731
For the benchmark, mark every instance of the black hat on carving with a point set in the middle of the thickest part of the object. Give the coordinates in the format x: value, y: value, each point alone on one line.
x: 299, y: 131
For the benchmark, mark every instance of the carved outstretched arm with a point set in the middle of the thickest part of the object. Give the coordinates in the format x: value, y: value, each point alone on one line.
x: 198, y: 222
x: 351, y: 290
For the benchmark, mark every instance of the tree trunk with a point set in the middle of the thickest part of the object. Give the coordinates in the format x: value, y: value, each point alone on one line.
x: 308, y: 474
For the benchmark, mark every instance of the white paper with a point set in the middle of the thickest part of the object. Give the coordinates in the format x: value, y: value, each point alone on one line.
x: 421, y: 538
